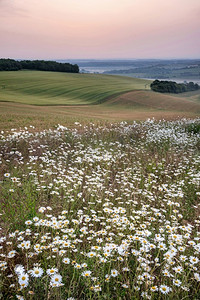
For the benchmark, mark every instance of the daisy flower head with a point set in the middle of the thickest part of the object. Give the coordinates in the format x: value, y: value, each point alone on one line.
x: 194, y: 260
x: 77, y: 266
x: 14, y: 179
x: 178, y: 269
x: 84, y: 265
x: 164, y: 289
x: 11, y: 254
x: 86, y: 273
x: 91, y: 254
x: 23, y: 280
x: 154, y: 288
x: 7, y: 175
x: 183, y: 258
x: 27, y: 244
x: 176, y: 282
x: 66, y: 260
x: 52, y: 271
x: 56, y: 280
x: 114, y: 273
x: 36, y: 272
x: 28, y: 222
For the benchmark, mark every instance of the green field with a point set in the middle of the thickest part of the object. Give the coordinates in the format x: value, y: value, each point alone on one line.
x: 45, y: 99
x: 50, y: 88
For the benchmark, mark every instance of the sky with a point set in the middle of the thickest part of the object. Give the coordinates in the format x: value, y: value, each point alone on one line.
x: 99, y: 29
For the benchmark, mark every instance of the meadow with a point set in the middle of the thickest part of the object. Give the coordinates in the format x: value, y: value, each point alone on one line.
x: 101, y: 211
x: 93, y: 204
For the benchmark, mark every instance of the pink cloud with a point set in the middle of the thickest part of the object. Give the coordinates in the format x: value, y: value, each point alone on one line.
x: 99, y: 28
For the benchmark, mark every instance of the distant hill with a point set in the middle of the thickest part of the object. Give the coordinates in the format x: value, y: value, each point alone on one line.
x: 186, y: 69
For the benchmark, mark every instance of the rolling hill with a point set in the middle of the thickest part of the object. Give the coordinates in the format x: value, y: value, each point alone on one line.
x: 52, y: 88
x: 157, y: 101
x: 44, y: 99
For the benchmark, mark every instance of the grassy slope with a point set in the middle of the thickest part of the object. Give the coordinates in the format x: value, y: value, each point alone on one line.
x: 15, y: 115
x: 49, y: 88
x: 152, y: 100
x: 193, y: 96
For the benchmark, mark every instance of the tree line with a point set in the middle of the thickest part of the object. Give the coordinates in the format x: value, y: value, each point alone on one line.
x: 40, y: 65
x: 173, y: 87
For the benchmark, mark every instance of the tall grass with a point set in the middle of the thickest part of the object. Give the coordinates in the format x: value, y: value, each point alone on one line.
x: 101, y: 212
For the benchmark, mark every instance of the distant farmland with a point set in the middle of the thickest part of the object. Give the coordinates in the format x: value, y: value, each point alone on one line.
x: 44, y: 99
x: 50, y: 88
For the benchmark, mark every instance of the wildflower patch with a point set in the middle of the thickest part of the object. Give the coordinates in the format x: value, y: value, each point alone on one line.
x: 108, y: 212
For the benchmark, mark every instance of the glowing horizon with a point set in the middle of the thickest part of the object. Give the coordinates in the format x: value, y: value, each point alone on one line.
x: 100, y: 29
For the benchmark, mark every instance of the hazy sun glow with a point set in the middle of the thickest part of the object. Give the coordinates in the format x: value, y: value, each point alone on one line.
x: 53, y: 29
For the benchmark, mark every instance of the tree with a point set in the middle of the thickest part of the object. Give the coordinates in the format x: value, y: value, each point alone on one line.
x: 173, y: 87
x: 41, y: 65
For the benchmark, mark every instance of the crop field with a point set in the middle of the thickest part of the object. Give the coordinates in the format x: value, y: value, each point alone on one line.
x: 53, y: 88
x: 101, y: 211
x: 45, y: 99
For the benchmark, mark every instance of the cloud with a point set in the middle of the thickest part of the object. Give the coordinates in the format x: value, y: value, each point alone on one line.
x: 9, y: 8
x: 6, y: 4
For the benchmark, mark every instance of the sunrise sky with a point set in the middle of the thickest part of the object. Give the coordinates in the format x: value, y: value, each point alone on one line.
x: 64, y: 29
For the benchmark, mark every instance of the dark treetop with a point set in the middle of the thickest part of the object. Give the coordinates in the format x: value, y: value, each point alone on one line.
x: 40, y: 65
x: 173, y: 87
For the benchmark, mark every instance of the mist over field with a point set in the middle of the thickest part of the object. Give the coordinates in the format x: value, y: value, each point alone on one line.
x: 176, y: 69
